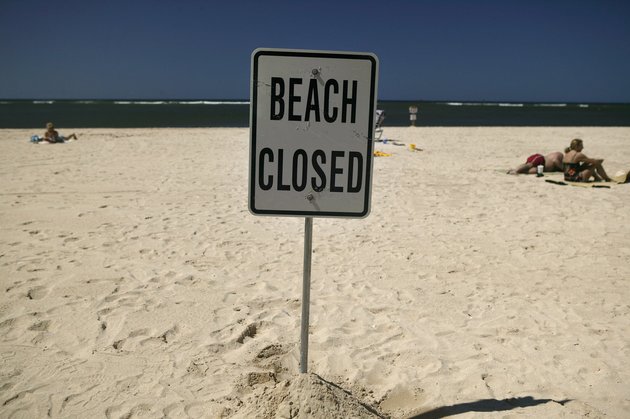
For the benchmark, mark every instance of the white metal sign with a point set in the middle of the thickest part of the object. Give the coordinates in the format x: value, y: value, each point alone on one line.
x: 311, y: 132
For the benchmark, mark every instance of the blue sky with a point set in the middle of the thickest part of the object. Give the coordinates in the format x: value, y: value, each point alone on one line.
x: 547, y: 51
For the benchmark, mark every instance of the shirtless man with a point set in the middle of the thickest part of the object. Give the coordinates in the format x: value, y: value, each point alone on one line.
x: 552, y: 163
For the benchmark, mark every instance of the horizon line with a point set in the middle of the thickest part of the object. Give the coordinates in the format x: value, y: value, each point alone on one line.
x: 380, y: 99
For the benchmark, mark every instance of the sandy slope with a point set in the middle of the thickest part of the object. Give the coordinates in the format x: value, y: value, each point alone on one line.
x: 134, y: 282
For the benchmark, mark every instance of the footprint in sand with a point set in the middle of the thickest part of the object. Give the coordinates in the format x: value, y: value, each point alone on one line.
x: 41, y: 326
x: 250, y: 332
x: 37, y: 293
x: 143, y: 337
x: 271, y: 358
x: 229, y: 297
x: 118, y: 345
x: 139, y: 332
x: 198, y: 367
x: 170, y: 334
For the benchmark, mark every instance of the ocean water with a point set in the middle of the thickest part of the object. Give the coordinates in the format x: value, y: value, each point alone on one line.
x: 229, y: 113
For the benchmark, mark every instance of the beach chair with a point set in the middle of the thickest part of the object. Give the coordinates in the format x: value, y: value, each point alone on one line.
x: 380, y: 117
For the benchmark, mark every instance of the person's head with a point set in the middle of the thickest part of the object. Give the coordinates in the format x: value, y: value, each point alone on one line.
x: 50, y: 126
x: 576, y: 144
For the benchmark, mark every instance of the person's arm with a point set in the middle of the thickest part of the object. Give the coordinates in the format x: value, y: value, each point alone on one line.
x: 583, y: 158
x: 593, y: 161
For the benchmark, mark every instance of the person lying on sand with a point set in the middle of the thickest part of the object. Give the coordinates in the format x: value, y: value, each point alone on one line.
x: 579, y: 168
x: 52, y: 136
x: 552, y: 163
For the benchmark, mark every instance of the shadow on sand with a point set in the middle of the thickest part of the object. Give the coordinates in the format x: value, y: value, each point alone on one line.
x: 485, y: 405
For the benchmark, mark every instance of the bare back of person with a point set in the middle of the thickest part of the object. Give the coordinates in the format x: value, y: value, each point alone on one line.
x: 552, y: 162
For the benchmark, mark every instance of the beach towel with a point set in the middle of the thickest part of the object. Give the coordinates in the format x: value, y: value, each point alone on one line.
x: 621, y: 177
x: 36, y: 139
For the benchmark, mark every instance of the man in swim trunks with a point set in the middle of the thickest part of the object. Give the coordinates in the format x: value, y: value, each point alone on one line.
x: 552, y: 163
x: 579, y: 168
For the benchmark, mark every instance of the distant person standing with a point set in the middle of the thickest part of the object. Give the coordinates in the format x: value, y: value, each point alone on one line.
x: 413, y: 114
x: 52, y: 136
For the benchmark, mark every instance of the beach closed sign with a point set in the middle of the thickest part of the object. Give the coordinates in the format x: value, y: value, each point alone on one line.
x: 311, y: 132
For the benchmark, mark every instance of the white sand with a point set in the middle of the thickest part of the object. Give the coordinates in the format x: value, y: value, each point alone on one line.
x: 135, y: 282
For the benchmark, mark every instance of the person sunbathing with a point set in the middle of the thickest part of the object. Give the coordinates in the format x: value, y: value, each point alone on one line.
x: 579, y: 168
x: 52, y: 136
x: 552, y: 162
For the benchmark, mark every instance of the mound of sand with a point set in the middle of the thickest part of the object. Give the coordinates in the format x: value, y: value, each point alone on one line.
x: 304, y: 396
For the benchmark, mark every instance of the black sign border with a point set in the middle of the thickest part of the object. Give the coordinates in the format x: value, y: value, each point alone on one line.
x: 253, y: 128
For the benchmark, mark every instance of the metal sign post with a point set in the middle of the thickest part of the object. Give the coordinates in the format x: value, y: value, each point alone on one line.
x: 306, y: 293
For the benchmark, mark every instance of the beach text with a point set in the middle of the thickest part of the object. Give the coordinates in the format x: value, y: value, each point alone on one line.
x: 285, y: 100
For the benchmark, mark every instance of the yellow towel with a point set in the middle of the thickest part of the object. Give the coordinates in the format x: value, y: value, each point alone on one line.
x: 618, y: 179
